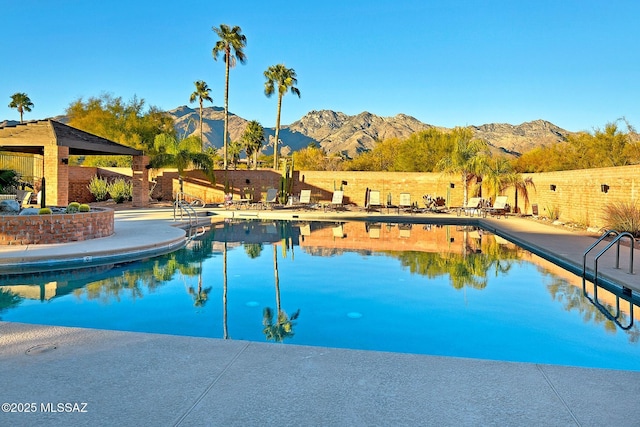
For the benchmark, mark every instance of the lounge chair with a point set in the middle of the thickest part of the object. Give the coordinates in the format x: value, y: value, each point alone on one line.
x: 24, y: 197
x: 405, y: 203
x: 304, y: 201
x: 271, y: 198
x: 373, y: 202
x: 499, y: 207
x: 472, y: 207
x: 336, y: 201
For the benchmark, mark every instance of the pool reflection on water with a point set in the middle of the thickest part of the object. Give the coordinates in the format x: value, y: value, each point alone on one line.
x: 428, y: 289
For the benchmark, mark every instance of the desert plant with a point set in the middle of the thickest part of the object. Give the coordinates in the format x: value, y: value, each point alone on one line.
x: 623, y: 216
x: 44, y: 211
x: 99, y: 188
x: 120, y: 190
x: 9, y: 181
x: 84, y: 208
x: 553, y: 212
x: 73, y: 207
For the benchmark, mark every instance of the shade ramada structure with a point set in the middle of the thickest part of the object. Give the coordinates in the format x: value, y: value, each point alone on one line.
x: 56, y: 141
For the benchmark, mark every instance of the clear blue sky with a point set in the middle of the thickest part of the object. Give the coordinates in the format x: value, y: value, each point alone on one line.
x: 446, y: 62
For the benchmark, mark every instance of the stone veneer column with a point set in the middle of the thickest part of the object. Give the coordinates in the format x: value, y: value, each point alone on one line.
x: 56, y: 175
x: 140, y: 181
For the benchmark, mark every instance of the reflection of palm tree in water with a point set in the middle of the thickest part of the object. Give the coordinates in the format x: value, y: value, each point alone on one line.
x: 283, y: 326
x: 225, y: 329
x: 200, y: 297
x: 8, y: 299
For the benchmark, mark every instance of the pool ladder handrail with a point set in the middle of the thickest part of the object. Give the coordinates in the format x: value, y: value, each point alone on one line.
x: 185, y: 207
x: 195, y: 201
x: 616, y: 240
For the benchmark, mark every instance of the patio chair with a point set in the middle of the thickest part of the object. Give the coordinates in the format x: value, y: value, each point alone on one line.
x: 304, y: 201
x: 405, y: 203
x: 472, y: 207
x: 271, y: 199
x: 373, y: 202
x: 336, y: 201
x: 499, y: 207
x: 24, y: 197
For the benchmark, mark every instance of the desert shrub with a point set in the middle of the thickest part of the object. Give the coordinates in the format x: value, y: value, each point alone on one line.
x: 44, y: 211
x: 99, y: 188
x: 84, y: 208
x: 623, y: 216
x: 120, y: 190
x: 9, y: 181
x: 73, y: 207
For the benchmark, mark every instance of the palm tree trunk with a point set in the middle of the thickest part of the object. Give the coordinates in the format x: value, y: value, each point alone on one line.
x: 226, y: 108
x: 201, y: 140
x: 277, y: 279
x: 275, y: 143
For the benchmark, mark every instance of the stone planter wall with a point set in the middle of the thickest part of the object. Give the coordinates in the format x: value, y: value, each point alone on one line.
x: 56, y: 228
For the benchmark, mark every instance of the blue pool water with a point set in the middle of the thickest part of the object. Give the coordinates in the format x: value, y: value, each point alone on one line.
x: 447, y: 291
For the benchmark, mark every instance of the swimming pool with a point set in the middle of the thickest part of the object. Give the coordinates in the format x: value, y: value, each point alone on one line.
x: 439, y: 290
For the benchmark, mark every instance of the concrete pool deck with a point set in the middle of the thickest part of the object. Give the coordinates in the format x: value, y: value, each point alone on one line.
x: 146, y: 379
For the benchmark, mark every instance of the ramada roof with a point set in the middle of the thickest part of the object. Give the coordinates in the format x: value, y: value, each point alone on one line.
x: 31, y: 137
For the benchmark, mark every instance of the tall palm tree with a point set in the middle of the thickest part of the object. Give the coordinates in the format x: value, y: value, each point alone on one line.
x: 201, y: 94
x: 253, y: 138
x: 281, y: 78
x: 21, y: 102
x: 466, y: 159
x: 231, y: 45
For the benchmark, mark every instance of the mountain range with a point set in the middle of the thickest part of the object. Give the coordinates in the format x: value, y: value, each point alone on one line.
x: 337, y: 132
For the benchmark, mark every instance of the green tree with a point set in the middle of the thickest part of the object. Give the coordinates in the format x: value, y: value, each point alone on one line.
x: 231, y: 45
x: 9, y: 181
x: 235, y: 148
x: 280, y: 79
x: 21, y: 102
x: 466, y: 159
x: 127, y: 123
x: 252, y: 139
x: 180, y: 154
x: 314, y: 158
x: 201, y: 94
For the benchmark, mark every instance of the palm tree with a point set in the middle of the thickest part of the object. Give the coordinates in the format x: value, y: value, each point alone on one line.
x: 282, y: 78
x: 466, y: 159
x: 253, y: 138
x: 201, y: 94
x: 231, y: 45
x: 21, y: 102
x: 180, y: 154
x: 499, y: 174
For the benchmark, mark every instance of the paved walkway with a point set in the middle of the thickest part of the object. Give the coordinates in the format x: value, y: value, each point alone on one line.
x: 121, y: 378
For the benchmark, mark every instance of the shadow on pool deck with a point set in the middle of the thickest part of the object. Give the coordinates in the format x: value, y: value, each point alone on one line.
x: 146, y: 379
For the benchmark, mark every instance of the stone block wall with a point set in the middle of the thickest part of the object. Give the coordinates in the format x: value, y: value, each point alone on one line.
x: 59, y: 228
x: 79, y: 178
x: 578, y: 195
